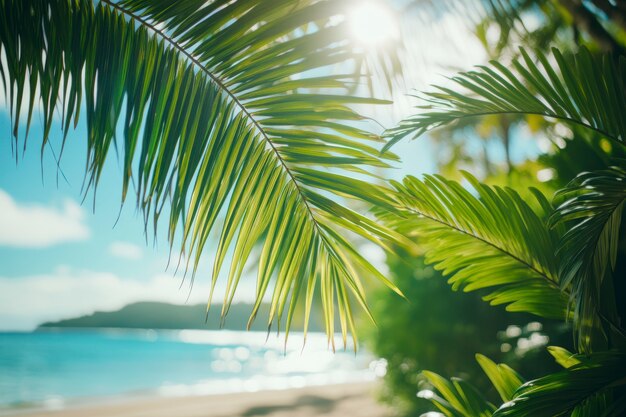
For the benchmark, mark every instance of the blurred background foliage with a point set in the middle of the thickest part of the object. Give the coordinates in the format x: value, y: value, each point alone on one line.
x: 441, y: 330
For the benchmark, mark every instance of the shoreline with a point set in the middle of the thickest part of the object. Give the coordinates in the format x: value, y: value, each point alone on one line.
x: 59, y: 369
x: 357, y: 398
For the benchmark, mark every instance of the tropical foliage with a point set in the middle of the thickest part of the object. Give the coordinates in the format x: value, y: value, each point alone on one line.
x: 227, y: 119
x: 453, y: 326
x: 565, y: 93
x: 492, y: 240
x: 579, y: 390
x: 581, y: 236
x: 214, y: 103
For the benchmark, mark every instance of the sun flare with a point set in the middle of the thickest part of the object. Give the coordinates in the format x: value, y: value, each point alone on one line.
x: 373, y: 24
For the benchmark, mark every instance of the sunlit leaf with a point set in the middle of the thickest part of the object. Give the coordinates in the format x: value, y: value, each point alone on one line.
x: 503, y: 377
x: 217, y: 114
x: 458, y: 398
x: 486, y: 239
x: 582, y: 88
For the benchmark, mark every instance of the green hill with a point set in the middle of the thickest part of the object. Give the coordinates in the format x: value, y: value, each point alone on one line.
x: 155, y: 315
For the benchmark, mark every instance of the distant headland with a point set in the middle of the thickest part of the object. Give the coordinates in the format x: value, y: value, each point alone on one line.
x: 157, y: 315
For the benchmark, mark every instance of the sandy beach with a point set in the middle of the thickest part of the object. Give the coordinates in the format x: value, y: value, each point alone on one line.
x: 330, y: 400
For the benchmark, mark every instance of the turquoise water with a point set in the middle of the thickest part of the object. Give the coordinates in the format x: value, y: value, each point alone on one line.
x: 52, y: 368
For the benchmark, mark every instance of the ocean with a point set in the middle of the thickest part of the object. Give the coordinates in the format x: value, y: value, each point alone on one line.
x: 53, y: 368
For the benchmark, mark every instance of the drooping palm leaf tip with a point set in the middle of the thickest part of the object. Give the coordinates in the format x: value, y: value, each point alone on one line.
x: 582, y: 88
x: 219, y: 113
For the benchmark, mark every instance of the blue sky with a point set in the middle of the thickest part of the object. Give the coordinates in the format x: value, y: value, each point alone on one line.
x: 58, y: 256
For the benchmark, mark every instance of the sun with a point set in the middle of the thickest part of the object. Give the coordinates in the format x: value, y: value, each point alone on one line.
x: 372, y: 24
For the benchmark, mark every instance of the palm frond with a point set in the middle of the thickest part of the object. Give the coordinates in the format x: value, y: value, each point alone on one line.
x: 591, y: 206
x: 564, y: 357
x: 582, y: 88
x: 461, y: 399
x: 222, y: 114
x: 581, y: 390
x: 492, y: 240
x: 458, y: 398
x: 503, y: 377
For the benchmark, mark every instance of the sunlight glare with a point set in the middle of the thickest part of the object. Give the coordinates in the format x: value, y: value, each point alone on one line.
x: 372, y: 24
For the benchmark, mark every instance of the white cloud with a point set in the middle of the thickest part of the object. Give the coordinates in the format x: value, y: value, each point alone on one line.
x: 28, y: 301
x: 36, y: 226
x: 126, y: 250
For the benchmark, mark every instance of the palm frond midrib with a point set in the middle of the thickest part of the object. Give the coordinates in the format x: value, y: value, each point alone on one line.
x: 548, y: 278
x: 553, y: 116
x: 220, y: 83
x: 546, y: 89
x: 205, y: 132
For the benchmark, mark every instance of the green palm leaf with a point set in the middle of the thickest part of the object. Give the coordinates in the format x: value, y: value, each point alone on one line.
x: 591, y: 205
x: 461, y: 399
x: 503, y: 377
x: 222, y: 115
x: 564, y: 357
x: 490, y: 240
x: 458, y: 398
x: 580, y: 88
x: 580, y: 390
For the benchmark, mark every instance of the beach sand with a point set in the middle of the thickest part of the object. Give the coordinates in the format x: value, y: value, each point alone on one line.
x: 343, y: 400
